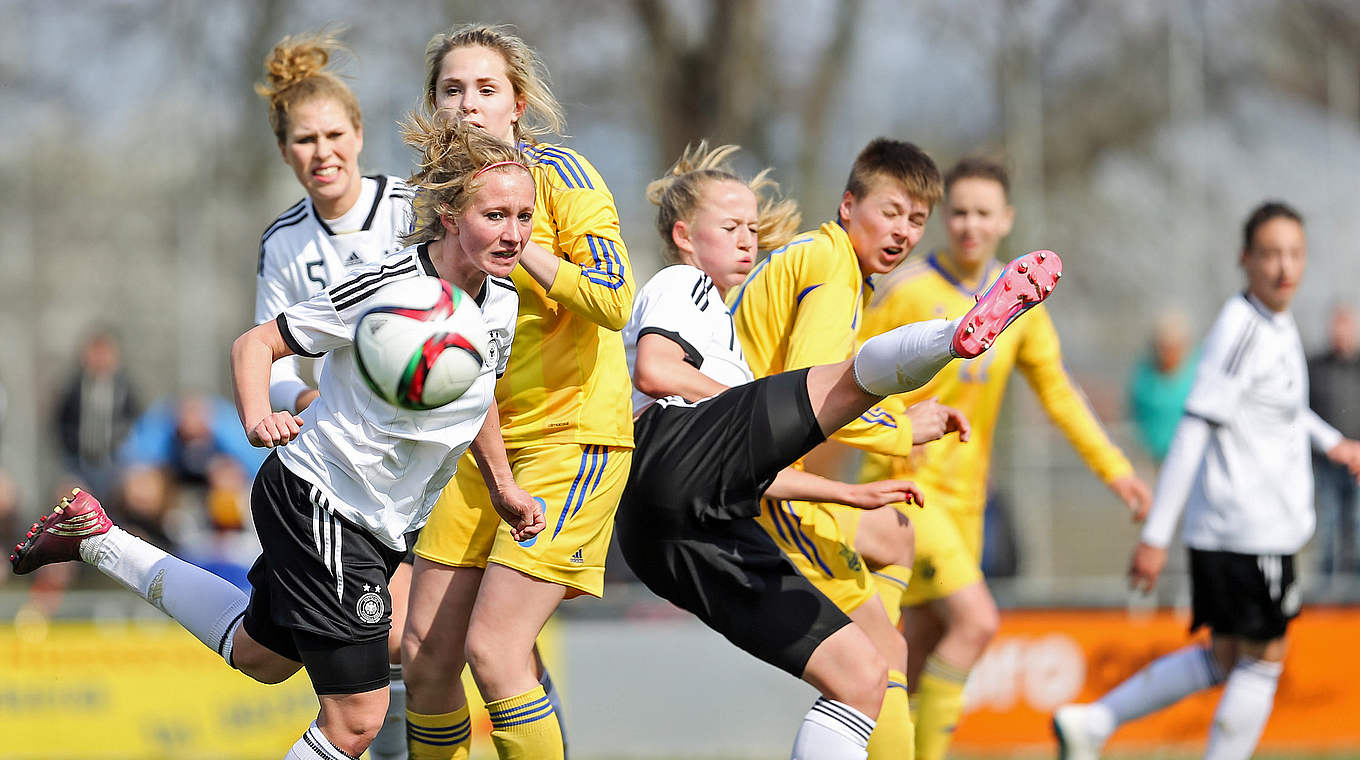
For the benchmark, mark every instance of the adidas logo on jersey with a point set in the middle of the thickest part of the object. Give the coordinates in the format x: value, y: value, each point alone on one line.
x: 577, y: 559
x: 353, y: 259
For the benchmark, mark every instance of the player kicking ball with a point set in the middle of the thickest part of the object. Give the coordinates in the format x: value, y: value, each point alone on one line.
x: 332, y: 521
x: 687, y: 525
x: 1239, y: 464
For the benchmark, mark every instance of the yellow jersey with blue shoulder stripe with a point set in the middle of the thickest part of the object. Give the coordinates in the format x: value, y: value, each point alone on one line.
x: 568, y: 371
x: 954, y: 473
x: 802, y: 306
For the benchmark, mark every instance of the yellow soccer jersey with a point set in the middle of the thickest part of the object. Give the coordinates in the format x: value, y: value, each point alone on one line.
x: 802, y: 306
x: 567, y: 380
x: 953, y: 471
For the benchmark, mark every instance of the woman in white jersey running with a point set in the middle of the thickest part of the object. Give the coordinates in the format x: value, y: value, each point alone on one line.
x: 1239, y: 465
x: 346, y: 221
x: 332, y: 507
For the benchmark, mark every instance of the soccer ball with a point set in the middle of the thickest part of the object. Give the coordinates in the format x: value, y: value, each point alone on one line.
x: 423, y: 344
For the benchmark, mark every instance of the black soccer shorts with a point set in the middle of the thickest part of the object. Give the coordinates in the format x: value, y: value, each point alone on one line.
x: 319, y: 575
x: 684, y: 523
x: 1253, y: 596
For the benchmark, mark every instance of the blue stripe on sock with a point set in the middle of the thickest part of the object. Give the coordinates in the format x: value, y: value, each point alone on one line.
x: 517, y: 711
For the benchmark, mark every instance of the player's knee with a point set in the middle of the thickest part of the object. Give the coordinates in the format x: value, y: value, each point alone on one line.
x: 483, y: 653
x: 979, y: 628
x: 866, y: 685
x: 353, y: 730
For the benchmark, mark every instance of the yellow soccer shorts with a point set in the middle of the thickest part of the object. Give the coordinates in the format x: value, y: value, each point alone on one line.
x: 948, y: 552
x: 580, y: 486
x: 891, y: 582
x: 810, y: 537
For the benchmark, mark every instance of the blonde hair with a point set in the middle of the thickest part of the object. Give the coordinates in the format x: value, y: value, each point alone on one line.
x: 678, y: 192
x: 542, y: 113
x: 295, y: 72
x: 451, y: 155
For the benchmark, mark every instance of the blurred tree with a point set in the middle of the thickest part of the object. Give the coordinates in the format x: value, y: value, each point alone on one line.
x: 715, y: 75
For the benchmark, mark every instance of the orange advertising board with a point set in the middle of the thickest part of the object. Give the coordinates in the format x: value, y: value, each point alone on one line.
x: 1042, y: 659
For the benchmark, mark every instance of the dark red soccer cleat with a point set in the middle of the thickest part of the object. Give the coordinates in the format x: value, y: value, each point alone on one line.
x: 1024, y: 283
x: 57, y: 536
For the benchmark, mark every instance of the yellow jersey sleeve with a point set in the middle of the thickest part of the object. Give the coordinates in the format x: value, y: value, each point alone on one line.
x: 567, y: 371
x: 595, y: 278
x: 1040, y: 359
x: 802, y: 307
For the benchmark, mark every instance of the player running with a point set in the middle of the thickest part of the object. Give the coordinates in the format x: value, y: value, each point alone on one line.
x: 950, y: 616
x: 333, y: 525
x: 1239, y: 465
x: 687, y: 522
x: 345, y: 221
x: 479, y: 597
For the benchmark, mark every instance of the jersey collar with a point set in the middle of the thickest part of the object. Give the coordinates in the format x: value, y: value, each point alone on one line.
x: 934, y: 261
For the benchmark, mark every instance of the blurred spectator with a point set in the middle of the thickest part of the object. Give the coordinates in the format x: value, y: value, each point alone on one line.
x: 1334, y: 393
x: 1161, y: 380
x: 189, y: 468
x: 95, y: 410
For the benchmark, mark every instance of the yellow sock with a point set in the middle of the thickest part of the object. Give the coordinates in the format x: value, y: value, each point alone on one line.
x: 439, y: 737
x: 894, y: 735
x: 891, y: 582
x: 939, y: 703
x: 525, y: 727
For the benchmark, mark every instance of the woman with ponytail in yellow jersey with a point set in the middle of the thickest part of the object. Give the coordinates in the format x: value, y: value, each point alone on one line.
x: 567, y: 435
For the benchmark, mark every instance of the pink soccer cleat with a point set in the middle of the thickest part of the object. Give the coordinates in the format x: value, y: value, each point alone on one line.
x: 57, y: 536
x: 1023, y: 284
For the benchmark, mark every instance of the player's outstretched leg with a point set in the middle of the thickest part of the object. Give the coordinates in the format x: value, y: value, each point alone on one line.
x: 78, y: 529
x: 907, y: 357
x: 1082, y: 730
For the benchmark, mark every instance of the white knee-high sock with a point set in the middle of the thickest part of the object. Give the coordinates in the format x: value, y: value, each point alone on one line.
x: 207, y: 606
x: 833, y: 730
x: 904, y: 358
x: 1243, y: 709
x: 315, y: 746
x: 1164, y: 681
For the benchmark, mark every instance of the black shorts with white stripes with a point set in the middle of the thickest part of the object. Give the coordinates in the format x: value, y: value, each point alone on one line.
x: 1253, y: 596
x: 319, y: 574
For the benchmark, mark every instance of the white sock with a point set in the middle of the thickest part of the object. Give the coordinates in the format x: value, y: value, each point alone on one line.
x: 390, y: 742
x: 833, y: 730
x: 315, y: 746
x: 207, y: 606
x: 1243, y: 709
x: 904, y: 358
x: 1166, y: 680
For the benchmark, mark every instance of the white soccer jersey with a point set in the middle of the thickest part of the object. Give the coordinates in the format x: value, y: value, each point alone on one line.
x: 380, y: 466
x: 1252, y: 491
x: 681, y: 303
x: 302, y: 254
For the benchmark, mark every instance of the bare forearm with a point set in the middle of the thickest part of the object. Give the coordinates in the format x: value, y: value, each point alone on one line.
x: 488, y: 448
x: 540, y: 264
x: 251, y: 359
x: 804, y: 486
